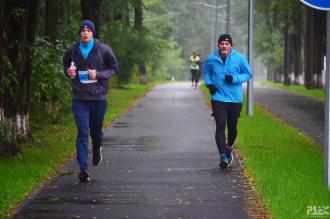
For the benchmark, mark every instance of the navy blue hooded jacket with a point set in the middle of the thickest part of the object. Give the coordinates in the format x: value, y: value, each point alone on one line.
x: 102, y: 59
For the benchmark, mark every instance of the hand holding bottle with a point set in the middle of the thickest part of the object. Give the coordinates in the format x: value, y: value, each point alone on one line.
x: 72, y: 70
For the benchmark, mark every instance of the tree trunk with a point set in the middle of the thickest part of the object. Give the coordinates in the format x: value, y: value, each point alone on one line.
x: 297, y: 52
x: 309, y: 49
x: 138, y: 18
x: 320, y: 47
x: 143, y: 73
x: 286, y: 67
x: 315, y: 47
x: 17, y: 64
x: 292, y: 56
x: 297, y: 59
x: 91, y: 11
x: 297, y: 43
x: 2, y: 56
x: 138, y: 24
x: 51, y: 20
x: 62, y: 13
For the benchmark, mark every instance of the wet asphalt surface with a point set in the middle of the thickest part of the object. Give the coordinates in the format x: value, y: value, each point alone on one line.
x: 159, y: 161
x: 301, y: 112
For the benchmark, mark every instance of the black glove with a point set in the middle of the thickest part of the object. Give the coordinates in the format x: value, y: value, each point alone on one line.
x: 212, y: 89
x: 229, y: 79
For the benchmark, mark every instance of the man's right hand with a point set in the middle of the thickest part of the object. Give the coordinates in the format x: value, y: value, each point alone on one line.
x: 212, y: 88
x: 71, y: 72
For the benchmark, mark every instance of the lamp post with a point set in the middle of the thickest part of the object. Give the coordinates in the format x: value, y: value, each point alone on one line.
x: 228, y: 16
x: 216, y: 22
x: 250, y: 58
x: 216, y: 28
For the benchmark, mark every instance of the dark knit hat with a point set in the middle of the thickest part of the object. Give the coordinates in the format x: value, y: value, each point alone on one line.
x: 87, y: 24
x: 225, y: 37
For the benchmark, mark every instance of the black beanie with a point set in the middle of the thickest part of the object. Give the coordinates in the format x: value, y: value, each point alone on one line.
x: 87, y: 24
x: 225, y: 37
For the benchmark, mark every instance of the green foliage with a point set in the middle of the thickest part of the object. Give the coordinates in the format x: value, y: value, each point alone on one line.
x: 170, y: 65
x: 122, y: 40
x: 192, y: 26
x: 50, y: 91
x: 9, y: 80
x: 269, y: 46
x: 132, y: 47
x: 274, y: 19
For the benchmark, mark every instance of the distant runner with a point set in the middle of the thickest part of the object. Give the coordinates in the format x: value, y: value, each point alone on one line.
x: 194, y: 68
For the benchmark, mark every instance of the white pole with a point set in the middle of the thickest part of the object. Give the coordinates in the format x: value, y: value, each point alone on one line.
x: 216, y: 21
x: 228, y: 16
x: 250, y: 58
x: 327, y: 107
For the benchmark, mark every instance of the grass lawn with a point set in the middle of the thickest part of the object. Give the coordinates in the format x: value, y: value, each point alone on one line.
x: 52, y: 146
x: 318, y: 94
x: 285, y: 165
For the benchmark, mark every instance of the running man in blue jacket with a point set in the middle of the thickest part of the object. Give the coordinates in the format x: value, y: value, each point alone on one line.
x: 225, y: 70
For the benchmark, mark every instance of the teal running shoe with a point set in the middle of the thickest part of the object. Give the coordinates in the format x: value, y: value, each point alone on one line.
x: 223, y: 161
x: 229, y: 154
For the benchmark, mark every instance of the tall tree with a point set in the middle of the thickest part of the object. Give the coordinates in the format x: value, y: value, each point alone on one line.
x: 62, y: 13
x: 315, y: 47
x: 286, y: 65
x: 296, y: 42
x: 288, y: 17
x: 90, y: 10
x: 138, y: 25
x: 2, y: 55
x: 16, y: 56
x: 51, y: 19
x: 320, y: 48
x: 120, y: 10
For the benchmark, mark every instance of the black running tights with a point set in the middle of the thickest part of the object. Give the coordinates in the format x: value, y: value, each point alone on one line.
x: 225, y: 113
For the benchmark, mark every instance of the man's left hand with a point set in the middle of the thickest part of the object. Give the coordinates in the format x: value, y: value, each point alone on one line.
x: 229, y: 79
x: 91, y: 74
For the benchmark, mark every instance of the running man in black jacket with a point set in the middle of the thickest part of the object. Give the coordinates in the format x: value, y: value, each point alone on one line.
x: 89, y: 64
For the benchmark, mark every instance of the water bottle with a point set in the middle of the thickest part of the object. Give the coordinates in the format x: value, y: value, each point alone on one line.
x: 73, y: 67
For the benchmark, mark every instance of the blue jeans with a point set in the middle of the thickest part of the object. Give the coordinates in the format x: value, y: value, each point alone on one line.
x: 88, y: 115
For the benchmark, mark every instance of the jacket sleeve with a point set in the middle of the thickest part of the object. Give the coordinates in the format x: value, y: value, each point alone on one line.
x: 110, y: 62
x: 245, y: 72
x: 208, y: 73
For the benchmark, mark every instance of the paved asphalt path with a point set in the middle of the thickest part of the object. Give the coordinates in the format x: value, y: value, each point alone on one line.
x: 159, y: 161
x: 301, y: 112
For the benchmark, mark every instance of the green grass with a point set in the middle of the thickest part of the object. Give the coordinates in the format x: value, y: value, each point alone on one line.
x: 52, y: 145
x: 285, y: 165
x: 318, y: 94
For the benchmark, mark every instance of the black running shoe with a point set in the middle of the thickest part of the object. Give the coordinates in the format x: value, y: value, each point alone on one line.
x: 97, y: 157
x: 84, y: 177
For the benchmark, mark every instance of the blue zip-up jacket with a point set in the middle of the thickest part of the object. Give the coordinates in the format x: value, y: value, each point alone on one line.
x: 102, y: 59
x: 215, y: 70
